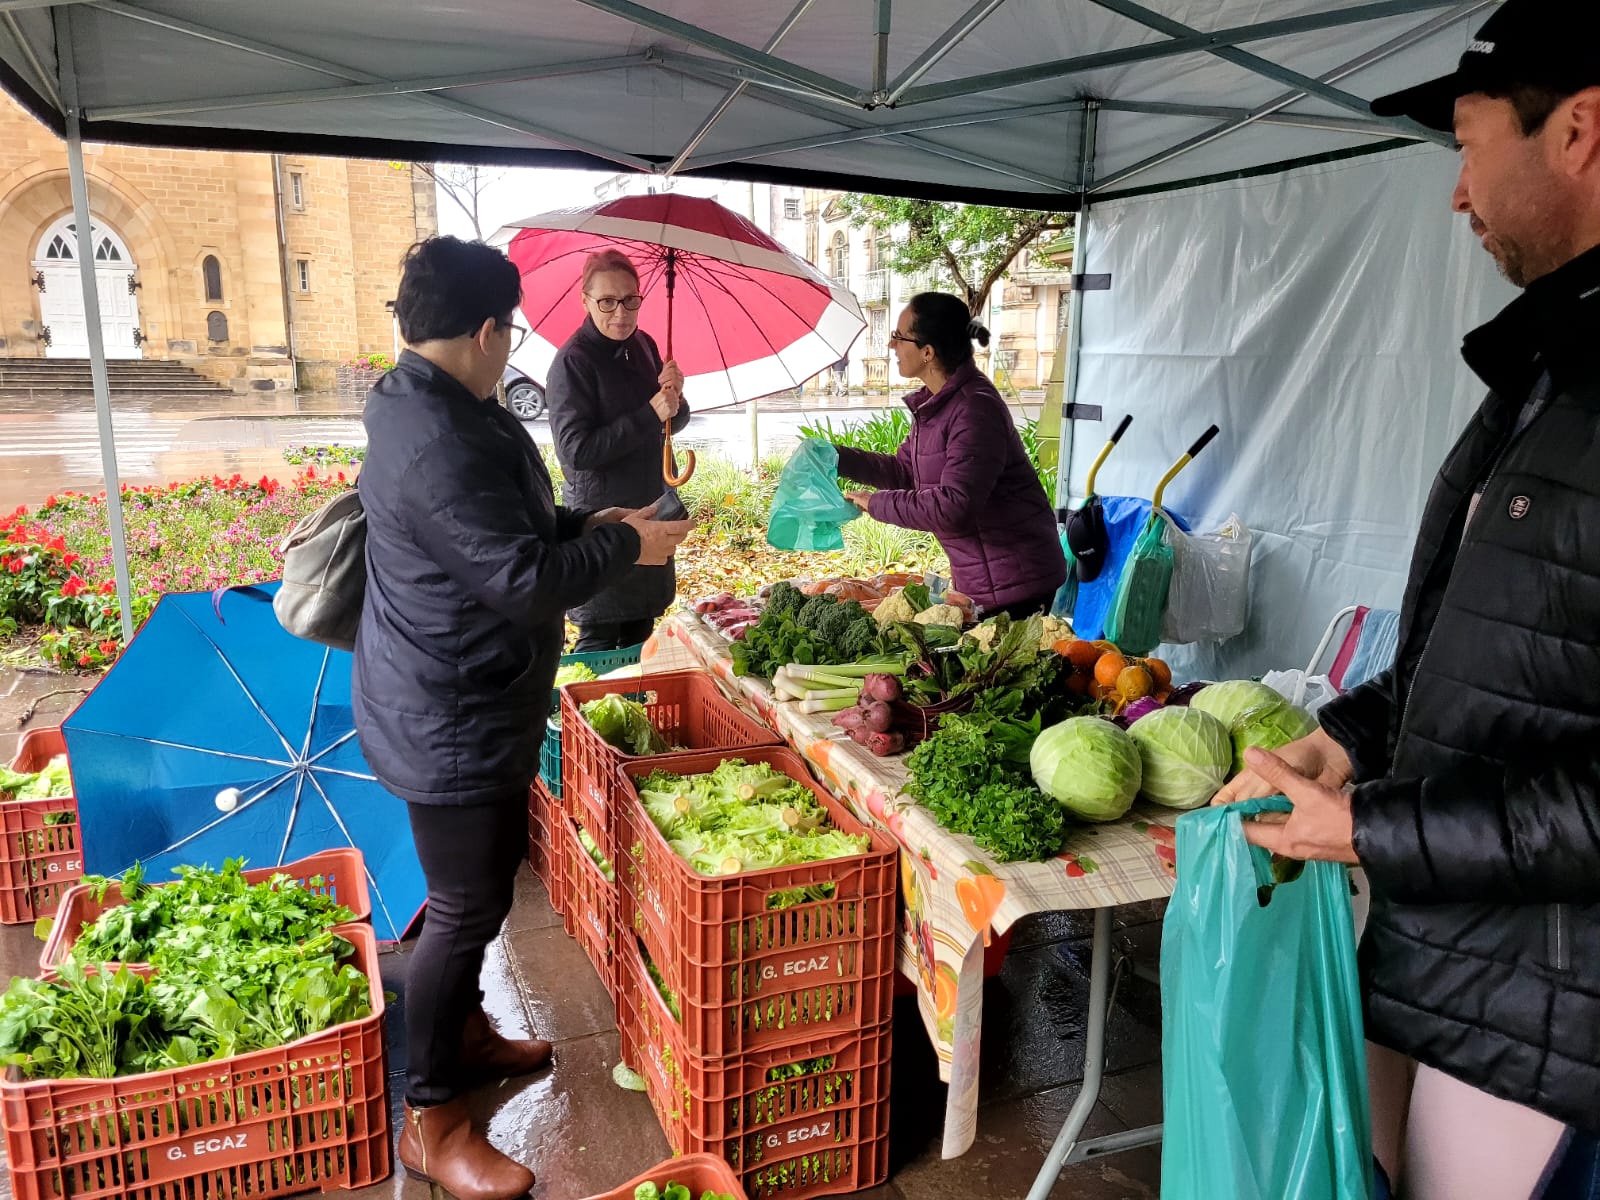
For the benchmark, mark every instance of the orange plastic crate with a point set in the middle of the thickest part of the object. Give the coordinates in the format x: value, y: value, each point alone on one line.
x: 544, y: 851
x: 811, y: 1119
x: 309, y: 1116
x: 41, y: 847
x: 591, y: 904
x: 700, y: 1173
x: 686, y: 706
x: 343, y: 873
x: 749, y: 976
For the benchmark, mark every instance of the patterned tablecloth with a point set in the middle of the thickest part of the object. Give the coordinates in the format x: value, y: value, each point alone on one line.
x: 956, y: 896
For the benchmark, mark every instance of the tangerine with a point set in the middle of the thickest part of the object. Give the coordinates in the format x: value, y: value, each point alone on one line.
x: 1160, y: 672
x: 1109, y: 668
x: 1082, y: 654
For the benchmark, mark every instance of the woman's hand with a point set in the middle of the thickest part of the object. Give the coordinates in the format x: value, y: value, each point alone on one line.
x: 1315, y: 757
x: 616, y: 516
x: 859, y: 499
x: 666, y: 403
x: 671, y: 377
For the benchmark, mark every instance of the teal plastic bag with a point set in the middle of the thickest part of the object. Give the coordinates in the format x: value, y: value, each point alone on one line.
x: 1264, y: 1071
x: 1134, y: 622
x: 1067, y: 594
x: 809, y: 512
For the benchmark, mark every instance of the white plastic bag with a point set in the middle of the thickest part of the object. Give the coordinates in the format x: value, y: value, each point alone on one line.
x: 1310, y: 692
x: 1209, y: 600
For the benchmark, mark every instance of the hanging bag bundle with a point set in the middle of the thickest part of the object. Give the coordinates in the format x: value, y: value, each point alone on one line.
x: 1209, y: 600
x: 1134, y: 622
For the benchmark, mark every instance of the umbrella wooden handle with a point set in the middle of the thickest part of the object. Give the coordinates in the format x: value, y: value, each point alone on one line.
x: 669, y: 462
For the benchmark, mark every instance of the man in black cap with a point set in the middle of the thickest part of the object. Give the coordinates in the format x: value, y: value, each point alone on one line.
x: 1466, y: 779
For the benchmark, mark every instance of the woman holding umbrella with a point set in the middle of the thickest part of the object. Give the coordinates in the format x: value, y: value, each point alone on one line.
x: 611, y: 400
x: 963, y: 474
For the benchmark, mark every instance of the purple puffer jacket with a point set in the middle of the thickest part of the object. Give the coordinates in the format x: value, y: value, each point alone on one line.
x: 964, y: 477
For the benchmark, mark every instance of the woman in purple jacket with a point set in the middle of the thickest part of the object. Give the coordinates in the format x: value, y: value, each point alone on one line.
x: 963, y: 474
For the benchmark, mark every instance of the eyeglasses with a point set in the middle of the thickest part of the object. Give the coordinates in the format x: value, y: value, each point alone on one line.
x: 897, y: 336
x: 520, y: 334
x: 608, y: 304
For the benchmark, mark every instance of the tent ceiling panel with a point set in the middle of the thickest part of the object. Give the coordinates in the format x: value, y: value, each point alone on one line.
x: 634, y: 82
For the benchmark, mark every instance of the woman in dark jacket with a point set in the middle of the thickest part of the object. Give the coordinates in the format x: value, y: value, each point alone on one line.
x: 610, y: 398
x: 470, y: 569
x: 963, y: 474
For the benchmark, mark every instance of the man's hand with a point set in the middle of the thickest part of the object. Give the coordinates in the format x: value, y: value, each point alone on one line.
x: 859, y: 499
x: 671, y: 378
x: 1316, y: 757
x: 666, y: 403
x: 657, y: 539
x: 615, y: 516
x: 1320, y: 829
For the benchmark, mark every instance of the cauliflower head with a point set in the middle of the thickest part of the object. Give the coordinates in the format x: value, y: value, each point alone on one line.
x: 941, y: 614
x: 895, y: 607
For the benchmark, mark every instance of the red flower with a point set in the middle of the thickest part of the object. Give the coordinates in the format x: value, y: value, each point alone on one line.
x: 74, y: 586
x: 58, y: 544
x: 341, y: 477
x: 15, y: 566
x: 50, y: 501
x: 83, y: 660
x: 69, y: 558
x: 107, y: 586
x: 109, y: 646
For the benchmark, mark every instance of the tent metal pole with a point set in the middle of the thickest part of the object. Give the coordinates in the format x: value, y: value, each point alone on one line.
x: 942, y: 45
x: 42, y: 78
x: 1127, y: 55
x: 1377, y: 54
x: 869, y: 132
x: 880, y: 47
x: 91, y: 315
x: 1080, y: 262
x: 735, y: 91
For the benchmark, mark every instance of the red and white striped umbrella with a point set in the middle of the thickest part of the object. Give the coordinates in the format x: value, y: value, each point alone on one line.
x: 744, y: 317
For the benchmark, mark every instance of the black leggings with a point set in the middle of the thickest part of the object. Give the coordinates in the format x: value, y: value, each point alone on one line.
x: 618, y: 636
x: 469, y: 856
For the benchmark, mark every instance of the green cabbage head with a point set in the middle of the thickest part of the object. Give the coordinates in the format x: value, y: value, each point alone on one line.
x: 1185, y: 755
x: 1255, y: 716
x: 1089, y: 765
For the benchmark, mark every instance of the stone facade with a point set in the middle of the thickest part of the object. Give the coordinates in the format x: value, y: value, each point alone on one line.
x: 348, y: 222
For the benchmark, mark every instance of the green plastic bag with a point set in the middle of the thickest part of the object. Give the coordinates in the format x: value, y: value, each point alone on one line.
x: 1264, y: 1072
x: 1134, y: 622
x: 809, y: 511
x: 1067, y: 594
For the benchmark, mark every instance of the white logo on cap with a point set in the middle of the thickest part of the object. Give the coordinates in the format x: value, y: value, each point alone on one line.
x: 1479, y: 46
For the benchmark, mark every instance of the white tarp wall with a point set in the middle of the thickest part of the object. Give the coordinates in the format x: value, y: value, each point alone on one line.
x: 1316, y: 316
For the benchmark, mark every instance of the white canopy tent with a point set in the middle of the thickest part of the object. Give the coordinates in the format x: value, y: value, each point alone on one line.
x: 1275, y: 260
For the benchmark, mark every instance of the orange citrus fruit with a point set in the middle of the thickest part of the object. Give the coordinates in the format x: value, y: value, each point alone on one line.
x: 1109, y: 667
x: 1082, y: 654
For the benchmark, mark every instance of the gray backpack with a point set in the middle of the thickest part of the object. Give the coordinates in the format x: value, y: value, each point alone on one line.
x: 325, y: 574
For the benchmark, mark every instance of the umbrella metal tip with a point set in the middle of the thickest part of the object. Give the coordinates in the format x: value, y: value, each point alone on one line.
x: 228, y: 799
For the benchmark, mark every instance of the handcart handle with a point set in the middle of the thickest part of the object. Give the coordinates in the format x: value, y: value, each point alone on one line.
x: 1203, y: 441
x: 1183, y: 462
x: 1105, y: 452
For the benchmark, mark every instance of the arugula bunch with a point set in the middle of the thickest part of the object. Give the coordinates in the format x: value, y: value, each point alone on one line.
x: 168, y: 926
x: 973, y: 775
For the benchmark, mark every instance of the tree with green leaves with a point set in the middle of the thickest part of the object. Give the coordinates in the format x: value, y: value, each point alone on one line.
x: 971, y: 245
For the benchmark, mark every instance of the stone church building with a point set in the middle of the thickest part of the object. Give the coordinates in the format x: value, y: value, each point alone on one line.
x: 253, y: 269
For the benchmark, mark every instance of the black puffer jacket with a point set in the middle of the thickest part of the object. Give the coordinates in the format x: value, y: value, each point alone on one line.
x: 608, y: 441
x: 470, y: 566
x: 1477, y: 810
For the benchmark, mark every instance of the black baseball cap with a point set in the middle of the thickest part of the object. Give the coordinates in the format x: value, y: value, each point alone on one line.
x: 1539, y: 43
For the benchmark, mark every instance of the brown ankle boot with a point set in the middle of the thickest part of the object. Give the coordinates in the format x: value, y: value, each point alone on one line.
x: 439, y: 1145
x: 486, y: 1055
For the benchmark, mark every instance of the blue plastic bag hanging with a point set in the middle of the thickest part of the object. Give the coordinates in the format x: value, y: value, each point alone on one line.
x: 809, y: 511
x: 1264, y: 1073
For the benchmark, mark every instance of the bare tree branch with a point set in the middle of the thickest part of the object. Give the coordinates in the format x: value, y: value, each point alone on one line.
x: 464, y: 184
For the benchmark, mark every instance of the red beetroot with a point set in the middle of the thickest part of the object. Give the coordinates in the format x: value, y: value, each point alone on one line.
x: 850, y: 718
x: 884, y: 744
x: 880, y: 687
x: 876, y: 716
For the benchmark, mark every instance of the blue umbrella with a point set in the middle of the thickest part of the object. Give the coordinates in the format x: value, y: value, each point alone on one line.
x: 218, y: 735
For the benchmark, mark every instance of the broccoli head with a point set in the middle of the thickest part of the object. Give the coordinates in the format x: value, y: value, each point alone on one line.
x: 810, y: 613
x: 860, y: 640
x: 785, y: 598
x: 833, y: 623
